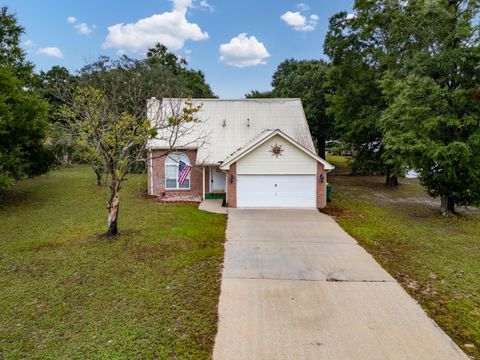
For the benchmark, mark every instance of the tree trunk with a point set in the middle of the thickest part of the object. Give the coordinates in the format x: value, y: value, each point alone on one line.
x: 98, y: 174
x: 321, y: 146
x: 113, y: 208
x: 447, y: 205
x: 391, y: 180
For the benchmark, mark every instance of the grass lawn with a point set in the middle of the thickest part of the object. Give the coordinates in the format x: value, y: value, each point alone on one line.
x: 68, y: 293
x: 435, y: 258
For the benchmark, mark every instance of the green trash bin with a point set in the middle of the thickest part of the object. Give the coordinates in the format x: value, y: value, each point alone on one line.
x: 329, y: 192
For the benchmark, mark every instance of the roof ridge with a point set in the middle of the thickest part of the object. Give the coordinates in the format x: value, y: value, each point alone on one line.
x: 240, y: 99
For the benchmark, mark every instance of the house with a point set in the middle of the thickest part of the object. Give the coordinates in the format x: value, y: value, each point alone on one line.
x: 257, y: 153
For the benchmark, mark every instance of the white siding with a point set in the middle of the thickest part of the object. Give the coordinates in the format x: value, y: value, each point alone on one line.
x: 292, y: 161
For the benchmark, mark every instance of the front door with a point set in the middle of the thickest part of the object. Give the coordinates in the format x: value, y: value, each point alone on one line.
x: 217, y: 180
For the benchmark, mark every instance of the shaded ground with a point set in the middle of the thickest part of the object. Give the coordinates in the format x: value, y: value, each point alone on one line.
x: 435, y: 258
x: 68, y: 293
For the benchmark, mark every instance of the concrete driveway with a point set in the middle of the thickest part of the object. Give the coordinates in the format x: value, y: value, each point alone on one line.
x: 296, y: 286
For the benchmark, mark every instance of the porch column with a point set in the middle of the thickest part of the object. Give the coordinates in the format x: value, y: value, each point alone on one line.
x: 203, y: 187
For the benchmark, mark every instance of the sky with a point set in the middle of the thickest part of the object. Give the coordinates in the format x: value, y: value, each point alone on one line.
x: 237, y: 44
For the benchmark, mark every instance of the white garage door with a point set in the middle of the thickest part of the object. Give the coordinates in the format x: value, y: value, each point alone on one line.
x: 288, y: 191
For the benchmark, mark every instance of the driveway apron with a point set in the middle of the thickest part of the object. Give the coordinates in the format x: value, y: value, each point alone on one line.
x: 296, y: 286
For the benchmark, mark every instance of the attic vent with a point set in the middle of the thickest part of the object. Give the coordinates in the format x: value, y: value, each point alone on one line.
x: 248, y: 122
x: 224, y: 122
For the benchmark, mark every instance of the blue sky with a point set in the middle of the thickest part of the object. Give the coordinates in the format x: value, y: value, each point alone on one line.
x: 237, y: 44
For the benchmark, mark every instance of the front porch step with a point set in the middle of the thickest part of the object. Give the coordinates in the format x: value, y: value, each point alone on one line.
x: 215, y: 196
x: 213, y: 206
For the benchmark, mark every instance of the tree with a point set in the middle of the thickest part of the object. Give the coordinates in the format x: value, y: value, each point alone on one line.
x: 303, y: 79
x: 193, y: 81
x: 196, y: 84
x: 23, y: 128
x: 256, y: 94
x: 306, y: 79
x: 23, y: 125
x: 159, y: 54
x: 362, y: 48
x: 432, y: 119
x: 11, y: 54
x: 438, y: 131
x: 49, y: 84
x: 107, y: 111
x: 355, y: 104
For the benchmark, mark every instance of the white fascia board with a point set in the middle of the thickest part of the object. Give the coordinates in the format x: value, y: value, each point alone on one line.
x: 261, y: 140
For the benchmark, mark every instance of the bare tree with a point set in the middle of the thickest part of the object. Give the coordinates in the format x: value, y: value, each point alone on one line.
x: 110, y: 119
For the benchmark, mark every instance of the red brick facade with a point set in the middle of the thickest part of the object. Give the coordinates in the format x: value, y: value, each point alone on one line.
x: 156, y: 179
x: 232, y: 186
x: 156, y: 175
x: 321, y: 187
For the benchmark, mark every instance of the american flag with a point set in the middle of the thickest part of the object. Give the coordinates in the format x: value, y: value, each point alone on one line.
x: 183, y: 171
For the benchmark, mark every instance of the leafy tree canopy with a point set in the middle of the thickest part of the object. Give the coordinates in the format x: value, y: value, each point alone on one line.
x: 193, y: 81
x: 11, y: 54
x: 303, y: 79
x: 256, y: 94
x: 306, y: 79
x: 23, y: 128
x: 405, y: 77
x: 432, y: 118
x: 438, y: 131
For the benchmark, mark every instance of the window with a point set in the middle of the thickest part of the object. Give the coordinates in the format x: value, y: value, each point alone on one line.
x: 171, y: 171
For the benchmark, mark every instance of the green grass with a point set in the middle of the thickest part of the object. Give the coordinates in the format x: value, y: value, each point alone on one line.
x: 68, y: 293
x: 435, y: 258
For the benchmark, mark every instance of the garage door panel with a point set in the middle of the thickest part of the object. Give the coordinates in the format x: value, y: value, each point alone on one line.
x: 276, y: 191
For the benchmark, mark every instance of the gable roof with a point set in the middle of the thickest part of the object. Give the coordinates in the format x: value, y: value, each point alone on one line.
x: 228, y: 125
x: 261, y: 139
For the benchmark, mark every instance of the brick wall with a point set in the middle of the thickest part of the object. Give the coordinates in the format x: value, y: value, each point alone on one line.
x: 156, y: 174
x: 232, y: 188
x: 321, y: 187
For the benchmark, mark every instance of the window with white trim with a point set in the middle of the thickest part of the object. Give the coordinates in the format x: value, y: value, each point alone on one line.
x: 171, y: 171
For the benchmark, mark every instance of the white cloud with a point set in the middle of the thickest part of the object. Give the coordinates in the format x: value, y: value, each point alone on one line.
x: 81, y: 27
x: 51, y: 51
x: 303, y: 7
x: 170, y: 28
x: 243, y: 51
x: 204, y: 4
x: 84, y: 29
x: 350, y: 16
x: 300, y: 22
x: 28, y: 43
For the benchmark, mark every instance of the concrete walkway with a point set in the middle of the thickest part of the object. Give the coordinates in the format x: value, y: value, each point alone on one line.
x: 296, y: 286
x: 213, y: 206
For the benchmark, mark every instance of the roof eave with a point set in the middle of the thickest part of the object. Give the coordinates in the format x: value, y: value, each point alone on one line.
x: 226, y: 165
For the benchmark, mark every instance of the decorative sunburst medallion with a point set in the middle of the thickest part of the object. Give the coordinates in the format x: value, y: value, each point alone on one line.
x: 276, y: 150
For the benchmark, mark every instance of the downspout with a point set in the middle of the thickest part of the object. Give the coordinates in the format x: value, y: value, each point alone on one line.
x: 150, y: 172
x: 226, y: 185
